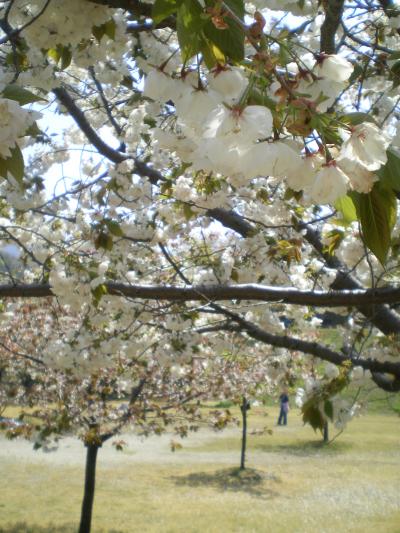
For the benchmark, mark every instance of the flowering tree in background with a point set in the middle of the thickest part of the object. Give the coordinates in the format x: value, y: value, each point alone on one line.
x: 179, y: 174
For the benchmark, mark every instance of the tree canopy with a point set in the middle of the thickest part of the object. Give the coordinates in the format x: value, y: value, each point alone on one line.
x: 192, y: 192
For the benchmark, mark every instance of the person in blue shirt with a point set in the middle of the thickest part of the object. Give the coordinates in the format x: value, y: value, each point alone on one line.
x: 284, y: 404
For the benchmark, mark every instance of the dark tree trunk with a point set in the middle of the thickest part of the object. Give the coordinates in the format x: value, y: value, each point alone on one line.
x: 90, y: 483
x: 326, y: 433
x: 245, y: 406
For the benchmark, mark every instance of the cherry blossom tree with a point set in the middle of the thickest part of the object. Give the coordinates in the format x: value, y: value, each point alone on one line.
x: 180, y: 173
x: 96, y: 402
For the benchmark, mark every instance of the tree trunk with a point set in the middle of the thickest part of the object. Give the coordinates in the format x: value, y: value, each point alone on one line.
x: 326, y: 433
x: 90, y: 482
x: 244, y: 408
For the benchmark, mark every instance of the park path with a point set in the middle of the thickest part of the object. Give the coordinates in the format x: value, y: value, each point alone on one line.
x: 153, y: 449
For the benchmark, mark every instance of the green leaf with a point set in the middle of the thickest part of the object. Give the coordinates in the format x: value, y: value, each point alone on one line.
x: 33, y: 130
x: 187, y: 211
x: 103, y: 240
x: 334, y: 237
x: 108, y: 28
x: 356, y: 118
x: 284, y: 54
x: 163, y: 9
x: 61, y: 54
x: 3, y: 168
x: 16, y: 164
x: 290, y: 194
x: 114, y: 228
x: 389, y: 174
x: 395, y: 74
x: 346, y: 206
x: 229, y: 41
x: 258, y: 98
x: 377, y: 214
x: 54, y: 53
x: 189, y: 27
x: 237, y: 7
x: 98, y: 32
x: 98, y: 292
x: 18, y: 59
x: 212, y: 55
x: 21, y: 95
x: 313, y: 416
x: 66, y: 57
x: 13, y: 164
x: 328, y: 409
x: 357, y: 72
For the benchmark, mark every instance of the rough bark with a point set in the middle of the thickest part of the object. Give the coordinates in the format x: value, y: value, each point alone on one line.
x: 333, y: 16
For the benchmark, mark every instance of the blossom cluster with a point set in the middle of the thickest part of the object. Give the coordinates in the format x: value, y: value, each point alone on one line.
x: 217, y: 131
x: 14, y: 122
x: 144, y: 201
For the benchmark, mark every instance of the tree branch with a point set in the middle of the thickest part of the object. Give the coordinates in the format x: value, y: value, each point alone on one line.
x: 386, y: 383
x: 318, y: 350
x: 209, y: 293
x: 110, y: 153
x: 381, y: 316
x: 134, y: 7
x: 12, y: 34
x: 104, y: 149
x: 333, y: 17
x: 135, y: 393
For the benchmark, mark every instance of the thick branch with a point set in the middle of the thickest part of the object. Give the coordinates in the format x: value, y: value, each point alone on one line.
x: 250, y: 291
x: 232, y: 220
x: 333, y: 16
x: 134, y: 7
x: 65, y: 99
x: 389, y: 7
x: 318, y: 350
x: 104, y: 149
x: 387, y: 383
x: 381, y: 316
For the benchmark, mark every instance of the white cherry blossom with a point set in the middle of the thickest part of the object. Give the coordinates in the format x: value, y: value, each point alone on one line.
x: 229, y: 82
x: 330, y: 184
x: 245, y: 125
x: 14, y: 121
x: 334, y: 67
x: 366, y: 146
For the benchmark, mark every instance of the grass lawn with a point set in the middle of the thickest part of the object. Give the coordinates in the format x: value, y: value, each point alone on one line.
x: 293, y: 484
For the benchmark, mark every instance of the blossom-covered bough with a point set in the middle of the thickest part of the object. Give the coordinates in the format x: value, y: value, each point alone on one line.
x: 184, y: 177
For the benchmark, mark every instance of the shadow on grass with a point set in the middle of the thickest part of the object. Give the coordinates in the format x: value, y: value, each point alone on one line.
x: 232, y: 479
x: 23, y: 527
x: 307, y: 448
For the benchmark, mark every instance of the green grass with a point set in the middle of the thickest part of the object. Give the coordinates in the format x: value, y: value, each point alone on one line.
x: 293, y: 484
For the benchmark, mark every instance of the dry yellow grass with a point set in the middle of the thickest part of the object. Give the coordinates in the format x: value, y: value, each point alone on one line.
x: 293, y: 484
